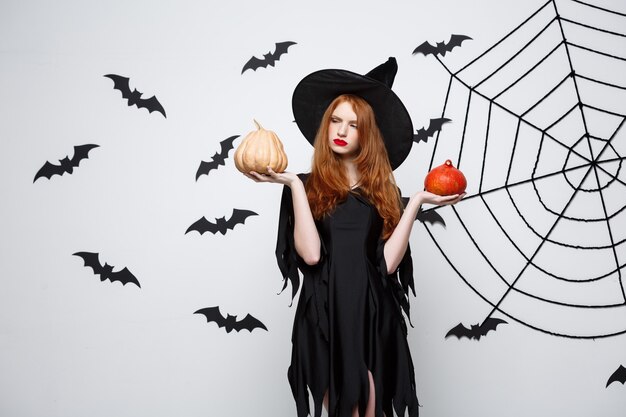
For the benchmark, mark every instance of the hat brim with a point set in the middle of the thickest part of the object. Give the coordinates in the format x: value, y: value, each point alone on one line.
x: 316, y: 91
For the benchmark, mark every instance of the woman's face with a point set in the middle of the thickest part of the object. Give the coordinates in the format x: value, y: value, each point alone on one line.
x: 342, y: 131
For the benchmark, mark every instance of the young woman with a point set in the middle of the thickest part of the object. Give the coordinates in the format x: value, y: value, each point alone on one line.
x: 343, y: 226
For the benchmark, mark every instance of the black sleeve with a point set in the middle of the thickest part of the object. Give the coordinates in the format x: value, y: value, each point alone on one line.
x: 401, y: 280
x: 286, y: 255
x: 289, y: 262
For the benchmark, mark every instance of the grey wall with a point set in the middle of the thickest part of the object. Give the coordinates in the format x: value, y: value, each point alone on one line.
x: 71, y: 345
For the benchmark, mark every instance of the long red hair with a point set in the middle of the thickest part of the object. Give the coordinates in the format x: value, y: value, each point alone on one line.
x: 328, y: 183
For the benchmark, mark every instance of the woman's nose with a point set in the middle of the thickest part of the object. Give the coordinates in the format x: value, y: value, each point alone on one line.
x: 342, y: 130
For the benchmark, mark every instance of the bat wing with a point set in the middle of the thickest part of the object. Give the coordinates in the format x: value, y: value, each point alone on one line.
x: 91, y: 260
x: 81, y: 152
x: 430, y: 216
x: 281, y: 48
x: 425, y: 49
x: 48, y: 170
x: 226, y: 145
x: 460, y: 331
x: 203, y: 225
x: 239, y: 217
x: 152, y: 104
x: 435, y: 125
x: 120, y: 83
x: 124, y: 276
x: 249, y: 323
x: 269, y: 59
x: 254, y: 63
x: 455, y: 40
x: 619, y: 375
x: 206, y: 167
x: 490, y: 324
x: 212, y: 314
x: 218, y: 159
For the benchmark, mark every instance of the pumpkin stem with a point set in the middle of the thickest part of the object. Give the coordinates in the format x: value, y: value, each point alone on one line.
x: 258, y: 125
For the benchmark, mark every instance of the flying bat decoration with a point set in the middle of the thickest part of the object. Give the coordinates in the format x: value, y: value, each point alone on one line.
x: 221, y: 225
x: 269, y: 58
x: 619, y: 375
x: 134, y: 97
x: 442, y: 47
x: 433, y: 127
x: 476, y: 331
x: 66, y: 164
x: 431, y: 216
x: 106, y: 271
x: 218, y: 159
x: 248, y: 323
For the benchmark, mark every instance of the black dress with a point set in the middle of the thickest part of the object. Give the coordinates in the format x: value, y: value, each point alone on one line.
x: 349, y: 317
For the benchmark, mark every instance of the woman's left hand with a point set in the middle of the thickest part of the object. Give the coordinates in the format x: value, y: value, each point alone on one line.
x: 439, y: 200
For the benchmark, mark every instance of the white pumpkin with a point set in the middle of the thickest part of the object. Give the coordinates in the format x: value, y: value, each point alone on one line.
x: 258, y: 150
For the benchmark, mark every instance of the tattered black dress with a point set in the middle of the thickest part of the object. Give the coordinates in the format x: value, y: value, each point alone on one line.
x: 349, y: 317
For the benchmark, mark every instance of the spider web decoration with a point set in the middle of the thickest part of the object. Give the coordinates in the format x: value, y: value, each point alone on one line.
x: 538, y: 131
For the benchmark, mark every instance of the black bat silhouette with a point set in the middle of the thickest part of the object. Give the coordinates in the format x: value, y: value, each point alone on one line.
x: 134, y: 97
x: 619, y: 375
x: 434, y: 126
x: 221, y: 225
x: 67, y: 165
x: 230, y: 322
x: 476, y: 331
x: 106, y: 272
x: 269, y: 58
x: 442, y: 47
x: 430, y: 216
x: 218, y: 159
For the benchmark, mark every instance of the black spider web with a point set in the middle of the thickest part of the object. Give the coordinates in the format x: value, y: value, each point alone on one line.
x: 558, y: 117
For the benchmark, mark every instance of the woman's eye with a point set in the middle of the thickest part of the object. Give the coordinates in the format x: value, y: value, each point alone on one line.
x: 354, y: 126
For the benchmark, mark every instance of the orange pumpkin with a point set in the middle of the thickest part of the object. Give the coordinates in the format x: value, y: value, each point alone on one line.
x: 445, y: 180
x: 258, y: 150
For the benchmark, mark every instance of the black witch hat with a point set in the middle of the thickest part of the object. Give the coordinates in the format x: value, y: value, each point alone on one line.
x: 317, y: 90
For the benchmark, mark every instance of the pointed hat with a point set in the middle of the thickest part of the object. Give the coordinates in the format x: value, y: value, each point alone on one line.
x: 317, y: 90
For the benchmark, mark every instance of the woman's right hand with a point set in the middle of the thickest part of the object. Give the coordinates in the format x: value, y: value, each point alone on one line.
x: 285, y: 178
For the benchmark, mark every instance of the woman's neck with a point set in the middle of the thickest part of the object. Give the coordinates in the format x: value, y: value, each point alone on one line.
x: 351, y: 172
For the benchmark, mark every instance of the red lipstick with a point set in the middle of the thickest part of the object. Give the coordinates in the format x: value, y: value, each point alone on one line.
x: 340, y: 142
